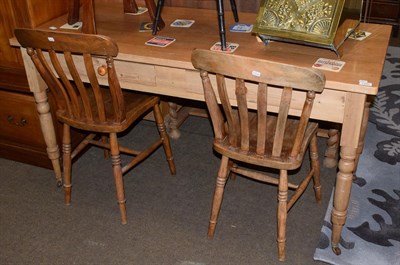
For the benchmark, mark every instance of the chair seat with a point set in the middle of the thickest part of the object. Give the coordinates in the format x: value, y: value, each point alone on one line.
x: 136, y: 105
x: 285, y: 161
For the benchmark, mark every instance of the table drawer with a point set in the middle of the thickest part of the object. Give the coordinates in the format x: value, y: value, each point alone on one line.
x: 19, y: 120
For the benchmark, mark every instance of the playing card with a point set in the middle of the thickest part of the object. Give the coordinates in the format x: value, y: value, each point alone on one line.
x: 182, y: 23
x: 160, y: 41
x: 230, y: 47
x: 328, y: 64
x: 244, y: 28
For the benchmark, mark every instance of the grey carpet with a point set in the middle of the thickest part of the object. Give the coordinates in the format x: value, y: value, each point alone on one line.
x: 167, y: 215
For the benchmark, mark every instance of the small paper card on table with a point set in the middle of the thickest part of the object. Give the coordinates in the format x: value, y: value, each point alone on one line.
x: 359, y: 35
x: 230, y: 47
x: 328, y: 64
x: 244, y: 28
x: 77, y: 25
x: 182, y: 23
x: 160, y: 41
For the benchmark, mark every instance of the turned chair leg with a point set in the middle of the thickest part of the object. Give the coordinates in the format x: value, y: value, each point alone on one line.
x: 165, y: 138
x: 316, y: 167
x: 282, y: 213
x: 117, y: 170
x: 218, y: 194
x: 66, y: 148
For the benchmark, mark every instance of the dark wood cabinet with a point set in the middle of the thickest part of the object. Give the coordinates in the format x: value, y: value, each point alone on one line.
x: 383, y: 11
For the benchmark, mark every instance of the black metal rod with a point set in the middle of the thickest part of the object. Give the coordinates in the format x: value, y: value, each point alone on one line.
x: 160, y: 5
x: 221, y: 23
x: 234, y: 10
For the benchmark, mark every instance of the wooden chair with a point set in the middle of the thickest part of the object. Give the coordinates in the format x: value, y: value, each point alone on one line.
x: 158, y: 22
x: 84, y: 104
x: 259, y: 138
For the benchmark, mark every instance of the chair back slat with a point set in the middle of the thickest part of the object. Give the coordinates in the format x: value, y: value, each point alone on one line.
x: 241, y: 99
x: 83, y: 98
x: 99, y: 101
x: 284, y: 107
x: 230, y: 114
x: 50, y: 78
x: 246, y: 133
x: 72, y: 94
x: 262, y: 118
x: 83, y: 92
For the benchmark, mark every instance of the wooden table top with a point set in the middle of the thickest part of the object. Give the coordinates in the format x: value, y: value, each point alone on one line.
x: 364, y: 59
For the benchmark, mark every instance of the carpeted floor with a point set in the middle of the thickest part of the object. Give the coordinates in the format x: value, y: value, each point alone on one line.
x: 167, y: 216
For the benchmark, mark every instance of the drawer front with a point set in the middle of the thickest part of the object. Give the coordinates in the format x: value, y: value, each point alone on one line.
x: 387, y: 11
x: 19, y: 120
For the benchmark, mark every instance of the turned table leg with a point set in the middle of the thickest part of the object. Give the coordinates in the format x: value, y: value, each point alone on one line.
x: 332, y: 147
x: 344, y: 181
x: 39, y: 89
x: 173, y: 125
x: 349, y: 144
x: 363, y: 131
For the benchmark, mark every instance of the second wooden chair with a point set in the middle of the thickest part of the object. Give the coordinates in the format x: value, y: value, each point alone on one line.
x: 247, y: 138
x: 66, y: 62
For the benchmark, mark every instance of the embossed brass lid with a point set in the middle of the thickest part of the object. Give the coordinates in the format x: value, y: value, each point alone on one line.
x: 321, y: 23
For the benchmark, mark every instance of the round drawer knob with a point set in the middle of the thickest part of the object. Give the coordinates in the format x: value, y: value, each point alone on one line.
x: 102, y: 70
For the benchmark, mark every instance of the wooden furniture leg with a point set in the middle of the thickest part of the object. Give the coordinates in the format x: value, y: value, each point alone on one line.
x: 88, y: 19
x: 73, y: 11
x: 174, y: 132
x: 332, y: 147
x: 341, y: 199
x: 130, y: 6
x: 363, y: 131
x: 351, y: 130
x: 177, y: 117
x: 38, y: 88
x: 151, y: 6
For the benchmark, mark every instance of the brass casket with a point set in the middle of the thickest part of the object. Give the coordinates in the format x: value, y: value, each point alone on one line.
x: 320, y: 23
